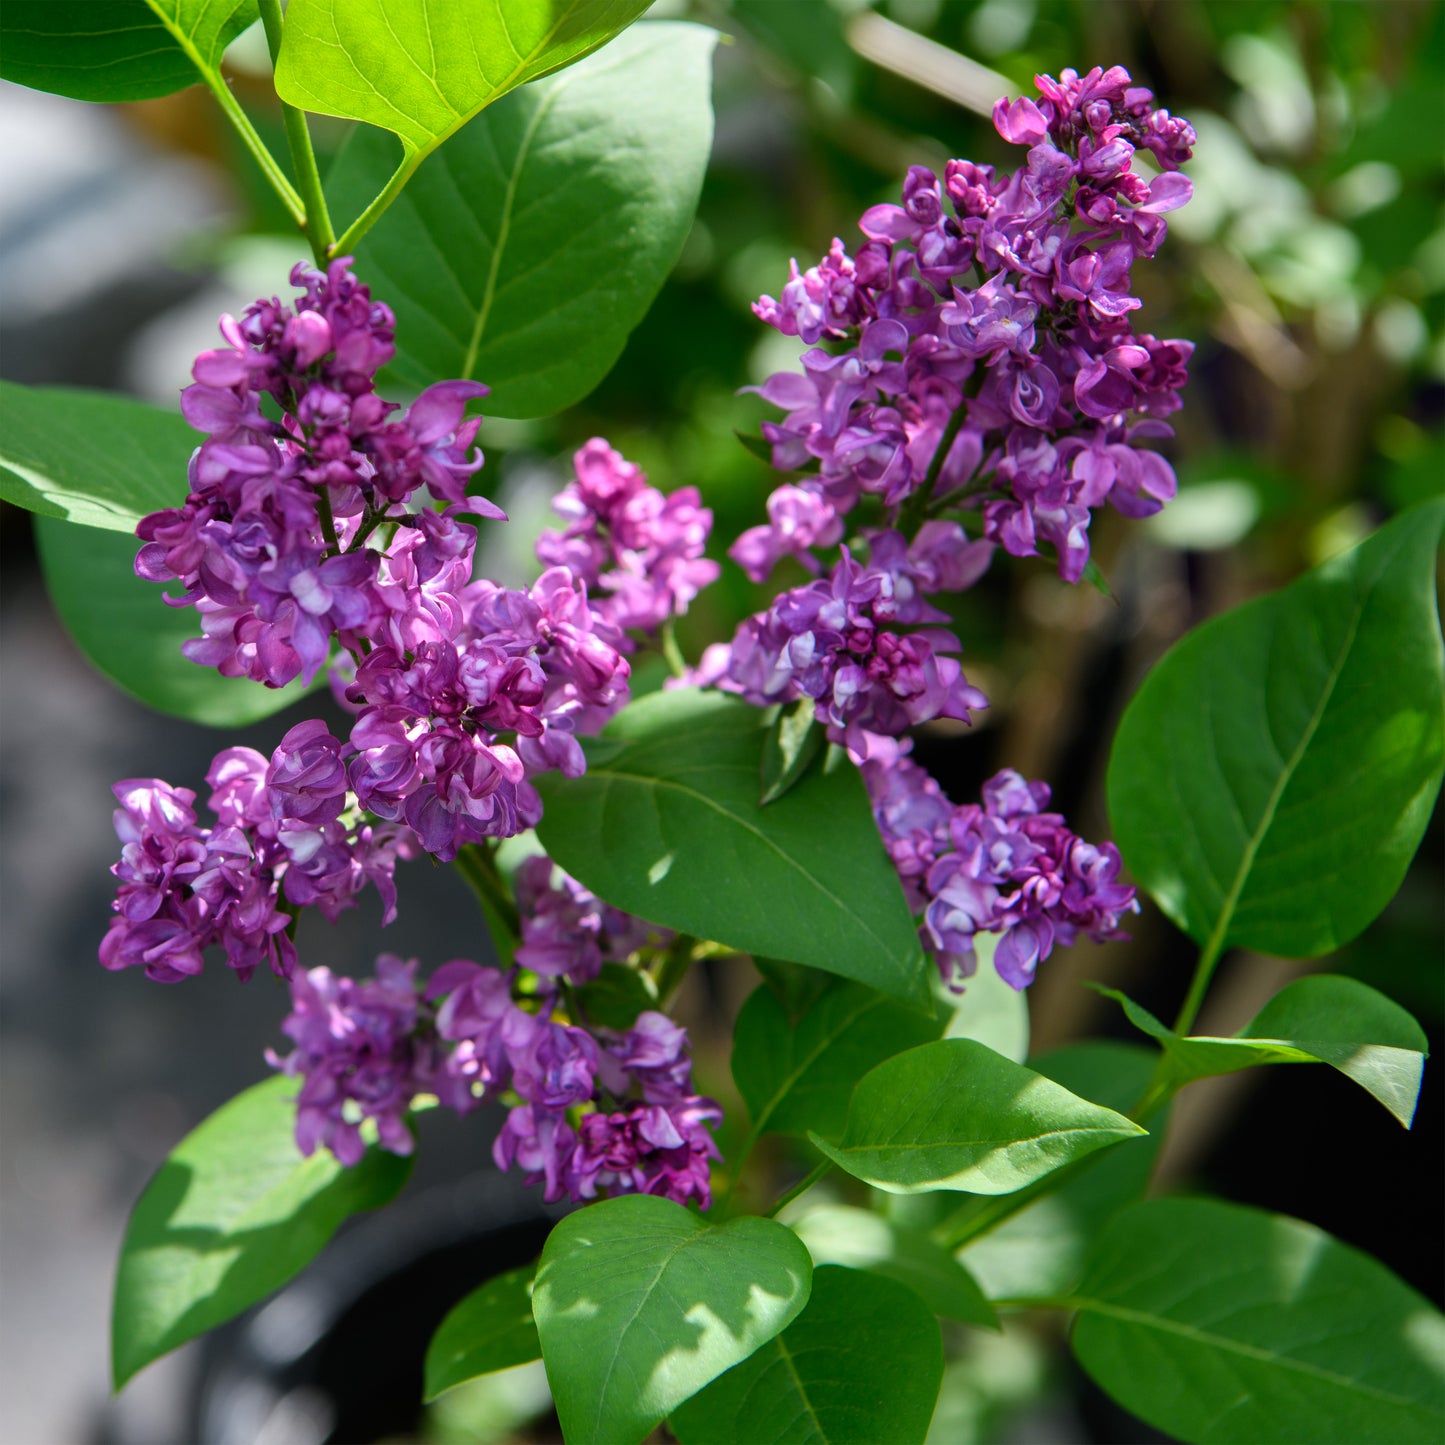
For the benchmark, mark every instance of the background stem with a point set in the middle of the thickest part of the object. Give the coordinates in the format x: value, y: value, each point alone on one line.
x: 317, y: 221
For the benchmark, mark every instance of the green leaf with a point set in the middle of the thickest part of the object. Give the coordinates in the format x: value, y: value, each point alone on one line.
x: 546, y: 227
x: 862, y: 1239
x: 1273, y: 776
x: 795, y: 984
x: 617, y: 995
x: 424, y: 70
x: 232, y: 1215
x: 123, y: 626
x: 799, y: 1075
x: 1325, y: 1018
x: 491, y: 1329
x: 990, y: 1010
x: 91, y: 457
x: 639, y: 1304
x: 862, y: 1363
x: 117, y: 51
x: 666, y: 825
x: 1041, y: 1250
x: 761, y: 449
x: 1227, y: 1326
x: 956, y: 1115
x: 791, y: 745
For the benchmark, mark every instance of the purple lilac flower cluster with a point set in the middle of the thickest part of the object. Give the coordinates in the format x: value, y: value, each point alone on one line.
x: 280, y: 843
x: 596, y: 1111
x: 270, y: 543
x: 979, y: 348
x: 1006, y: 867
x: 838, y: 641
x: 461, y: 689
x: 638, y: 551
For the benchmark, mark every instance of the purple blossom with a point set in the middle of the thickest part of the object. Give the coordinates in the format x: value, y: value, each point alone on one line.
x: 359, y: 1056
x: 1005, y: 867
x: 270, y: 544
x: 648, y: 1149
x: 834, y: 641
x: 639, y: 551
x: 1004, y: 320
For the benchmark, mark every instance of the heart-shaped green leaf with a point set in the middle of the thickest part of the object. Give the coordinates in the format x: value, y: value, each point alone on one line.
x: 117, y: 51
x: 861, y: 1239
x: 123, y: 626
x: 547, y: 225
x: 233, y: 1214
x: 424, y: 70
x: 1325, y: 1019
x: 1272, y: 778
x: 1041, y: 1250
x: 799, y: 1075
x: 666, y: 824
x: 1228, y: 1326
x: 639, y: 1304
x: 956, y: 1115
x: 102, y: 460
x: 491, y: 1329
x: 862, y: 1363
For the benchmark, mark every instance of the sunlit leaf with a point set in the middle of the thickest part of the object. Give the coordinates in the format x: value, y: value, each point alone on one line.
x: 1229, y: 1326
x: 956, y: 1115
x: 1272, y: 778
x: 232, y: 1214
x: 639, y: 1304
x: 666, y: 825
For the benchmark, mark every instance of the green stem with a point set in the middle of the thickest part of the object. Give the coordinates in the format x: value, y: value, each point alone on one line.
x: 475, y: 864
x: 735, y: 1174
x: 915, y: 509
x: 328, y: 522
x: 1203, y: 972
x: 801, y: 1187
x: 673, y: 968
x: 410, y: 160
x: 317, y: 224
x: 671, y: 652
x: 270, y: 168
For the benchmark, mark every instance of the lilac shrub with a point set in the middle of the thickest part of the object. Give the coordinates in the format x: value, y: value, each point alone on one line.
x: 977, y: 384
x: 974, y: 382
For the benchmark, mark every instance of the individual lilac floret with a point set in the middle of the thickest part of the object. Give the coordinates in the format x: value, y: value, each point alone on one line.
x: 980, y: 344
x: 638, y: 550
x: 1006, y: 867
x: 270, y: 544
x: 359, y: 1055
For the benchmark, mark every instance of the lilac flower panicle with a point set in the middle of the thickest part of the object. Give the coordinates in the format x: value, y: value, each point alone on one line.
x: 998, y: 305
x: 639, y: 551
x: 1004, y: 867
x: 359, y: 1056
x: 269, y: 545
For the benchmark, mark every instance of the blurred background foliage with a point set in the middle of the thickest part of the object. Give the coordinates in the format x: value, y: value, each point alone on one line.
x: 1310, y: 272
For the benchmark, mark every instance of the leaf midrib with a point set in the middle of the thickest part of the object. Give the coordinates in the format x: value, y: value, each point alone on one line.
x: 607, y: 773
x: 864, y: 1006
x: 1224, y: 1343
x: 1220, y: 933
